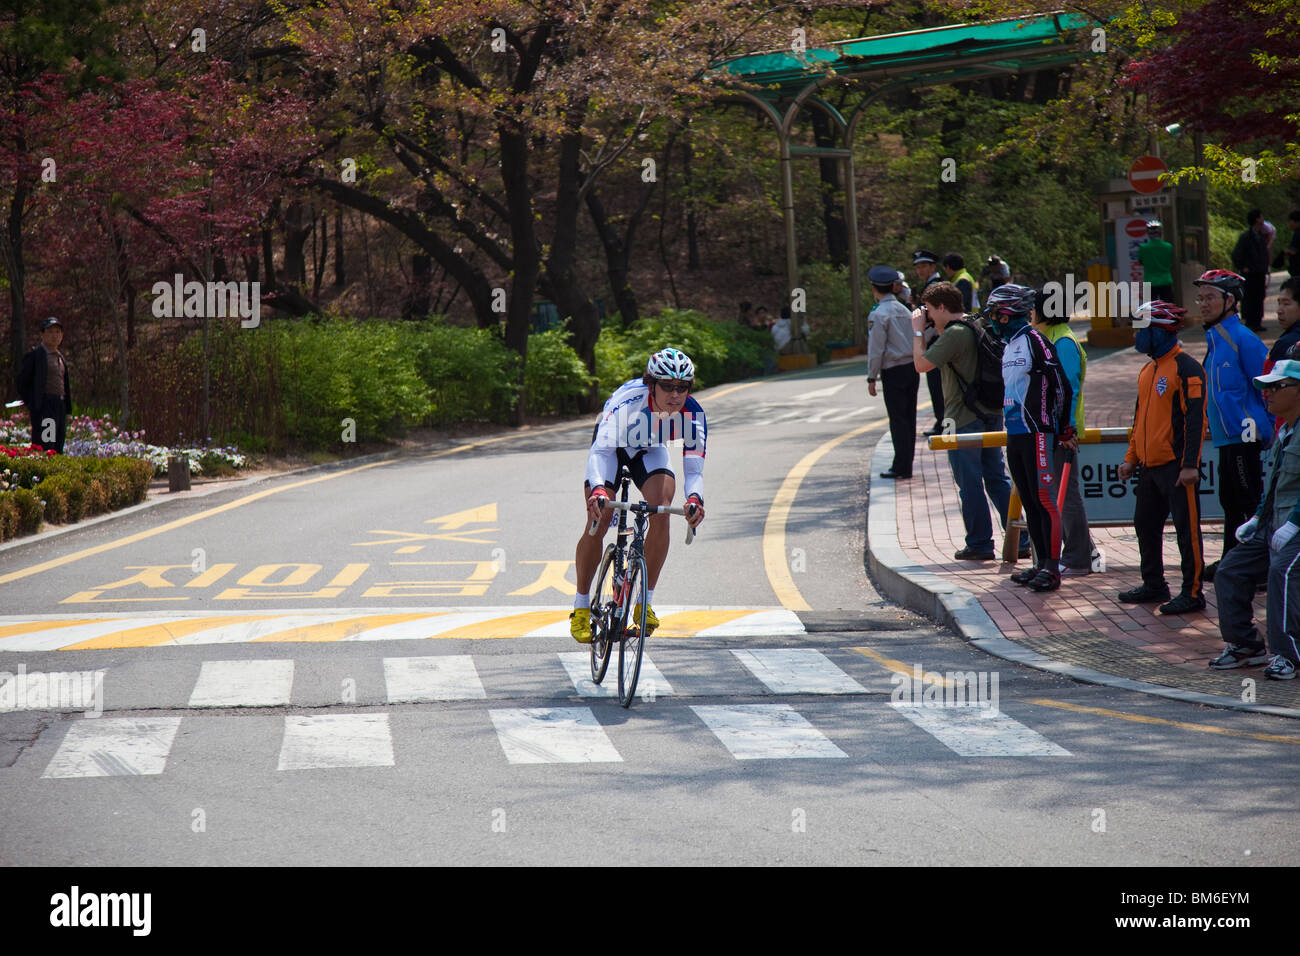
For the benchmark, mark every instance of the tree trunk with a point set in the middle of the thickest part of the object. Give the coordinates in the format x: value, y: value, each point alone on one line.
x: 837, y: 236
x: 297, y: 227
x: 17, y: 278
x: 418, y: 302
x: 616, y: 259
x: 692, y: 233
x: 519, y: 202
x: 338, y: 247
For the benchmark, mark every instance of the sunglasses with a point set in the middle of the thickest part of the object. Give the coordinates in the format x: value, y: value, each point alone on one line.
x: 674, y: 388
x: 1277, y: 386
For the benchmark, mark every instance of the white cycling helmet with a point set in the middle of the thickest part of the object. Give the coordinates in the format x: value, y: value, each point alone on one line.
x: 671, y: 363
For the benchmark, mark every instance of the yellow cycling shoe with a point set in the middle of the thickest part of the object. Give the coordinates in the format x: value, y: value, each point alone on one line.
x: 580, y: 625
x: 651, y: 622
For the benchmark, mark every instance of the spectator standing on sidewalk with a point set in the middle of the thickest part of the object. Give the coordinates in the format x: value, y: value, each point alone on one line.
x: 1168, y: 428
x: 977, y: 471
x: 889, y: 358
x: 954, y: 267
x: 996, y: 271
x: 1290, y: 256
x: 1157, y: 259
x: 1288, y: 320
x: 1250, y: 259
x: 44, y: 387
x: 1077, y: 551
x: 1239, y: 424
x: 923, y: 261
x: 1036, y: 409
x: 1268, y: 545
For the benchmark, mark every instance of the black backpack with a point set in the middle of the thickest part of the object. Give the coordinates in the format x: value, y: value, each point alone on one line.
x: 985, y: 392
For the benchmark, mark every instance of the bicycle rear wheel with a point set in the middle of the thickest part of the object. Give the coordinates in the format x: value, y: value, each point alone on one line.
x: 633, y: 643
x: 605, y: 616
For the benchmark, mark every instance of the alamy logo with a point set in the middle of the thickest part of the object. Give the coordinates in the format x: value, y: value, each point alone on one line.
x: 102, y: 909
x: 208, y: 300
x: 69, y: 690
x: 625, y: 428
x: 1119, y: 299
x: 951, y: 689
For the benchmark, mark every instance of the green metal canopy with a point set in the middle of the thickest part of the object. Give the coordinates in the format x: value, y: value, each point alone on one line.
x: 782, y: 83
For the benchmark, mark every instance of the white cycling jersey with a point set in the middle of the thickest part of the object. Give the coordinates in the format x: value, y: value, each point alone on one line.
x: 630, y: 423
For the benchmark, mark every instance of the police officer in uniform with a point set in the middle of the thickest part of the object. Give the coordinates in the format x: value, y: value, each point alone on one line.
x: 889, y: 358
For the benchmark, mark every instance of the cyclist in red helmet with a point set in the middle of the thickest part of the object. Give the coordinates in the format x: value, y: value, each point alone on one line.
x: 1240, y: 426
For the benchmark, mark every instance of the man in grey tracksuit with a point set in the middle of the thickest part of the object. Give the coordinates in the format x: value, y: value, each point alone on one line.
x: 1268, y: 543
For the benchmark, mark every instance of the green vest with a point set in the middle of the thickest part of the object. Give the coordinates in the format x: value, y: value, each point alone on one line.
x: 974, y: 287
x: 1061, y: 330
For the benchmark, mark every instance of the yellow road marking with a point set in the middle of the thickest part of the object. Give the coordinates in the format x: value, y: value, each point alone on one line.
x: 774, y: 556
x: 512, y: 625
x: 688, y: 623
x: 1139, y: 719
x: 9, y: 630
x: 337, y: 630
x: 178, y: 523
x: 734, y: 388
x: 154, y: 634
x: 898, y: 667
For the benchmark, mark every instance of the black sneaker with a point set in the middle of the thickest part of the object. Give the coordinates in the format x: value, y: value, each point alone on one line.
x: 1045, y: 580
x: 1183, y: 604
x: 1239, y: 655
x: 1025, y: 576
x: 970, y: 554
x: 1144, y: 594
x: 1280, y: 668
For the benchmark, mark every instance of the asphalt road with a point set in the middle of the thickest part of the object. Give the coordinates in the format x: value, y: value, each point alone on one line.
x: 369, y: 664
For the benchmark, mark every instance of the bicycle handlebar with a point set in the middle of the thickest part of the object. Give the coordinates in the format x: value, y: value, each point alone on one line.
x: 648, y: 509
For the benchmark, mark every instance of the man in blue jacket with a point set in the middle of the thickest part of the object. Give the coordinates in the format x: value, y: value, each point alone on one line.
x: 1240, y: 425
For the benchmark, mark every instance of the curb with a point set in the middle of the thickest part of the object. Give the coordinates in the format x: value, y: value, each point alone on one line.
x: 927, y: 593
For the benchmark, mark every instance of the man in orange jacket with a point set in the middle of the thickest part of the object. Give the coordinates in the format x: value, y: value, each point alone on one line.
x: 1168, y: 428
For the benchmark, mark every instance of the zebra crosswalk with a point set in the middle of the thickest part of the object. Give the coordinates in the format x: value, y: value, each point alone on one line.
x: 560, y: 732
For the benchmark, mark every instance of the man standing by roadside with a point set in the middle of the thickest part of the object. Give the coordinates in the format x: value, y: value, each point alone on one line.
x: 1239, y: 424
x: 1168, y: 427
x: 43, y: 385
x: 1157, y: 259
x: 923, y: 260
x: 889, y: 358
x: 1250, y: 259
x: 954, y: 267
x: 1268, y: 545
x: 976, y: 470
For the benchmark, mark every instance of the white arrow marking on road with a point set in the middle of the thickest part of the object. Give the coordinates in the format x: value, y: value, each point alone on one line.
x: 819, y: 393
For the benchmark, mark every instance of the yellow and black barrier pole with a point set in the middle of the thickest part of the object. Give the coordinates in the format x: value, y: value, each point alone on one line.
x: 1015, y: 520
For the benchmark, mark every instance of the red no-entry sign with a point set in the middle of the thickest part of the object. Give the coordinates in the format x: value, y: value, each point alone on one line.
x: 1144, y: 174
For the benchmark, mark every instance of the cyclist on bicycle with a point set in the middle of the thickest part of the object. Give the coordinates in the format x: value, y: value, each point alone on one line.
x: 636, y: 422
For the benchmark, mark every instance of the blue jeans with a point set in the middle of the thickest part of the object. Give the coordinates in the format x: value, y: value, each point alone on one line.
x: 977, y: 470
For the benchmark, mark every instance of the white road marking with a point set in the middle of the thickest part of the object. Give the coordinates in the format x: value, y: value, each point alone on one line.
x: 244, y: 631
x: 766, y: 731
x: 851, y: 413
x: 976, y: 732
x: 798, y: 670
x: 776, y: 623
x: 260, y: 683
x: 331, y: 741
x: 114, y: 747
x: 57, y: 637
x: 448, y: 677
x: 819, y: 393
x: 553, y: 735
x: 649, y: 685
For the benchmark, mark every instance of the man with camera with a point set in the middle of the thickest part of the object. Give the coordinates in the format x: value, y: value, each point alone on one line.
x: 977, y: 471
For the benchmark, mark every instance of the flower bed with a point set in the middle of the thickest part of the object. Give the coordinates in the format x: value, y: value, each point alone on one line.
x: 60, y: 489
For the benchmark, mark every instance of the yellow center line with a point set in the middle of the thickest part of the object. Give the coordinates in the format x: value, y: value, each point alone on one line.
x: 774, y: 556
x: 907, y: 670
x: 1139, y: 719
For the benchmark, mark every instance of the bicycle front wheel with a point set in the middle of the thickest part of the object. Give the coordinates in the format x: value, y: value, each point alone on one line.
x: 605, y: 616
x: 633, y: 643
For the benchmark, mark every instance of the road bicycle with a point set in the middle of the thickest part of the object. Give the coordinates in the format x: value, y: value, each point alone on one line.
x: 620, y: 587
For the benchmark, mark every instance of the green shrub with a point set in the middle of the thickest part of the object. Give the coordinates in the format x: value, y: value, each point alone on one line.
x: 30, y: 510
x: 692, y: 332
x: 555, y: 378
x: 8, y: 516
x: 469, y: 373
x: 54, y: 492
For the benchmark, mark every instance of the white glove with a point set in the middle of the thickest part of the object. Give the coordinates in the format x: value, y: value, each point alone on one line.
x: 1283, y: 534
x: 1248, y: 531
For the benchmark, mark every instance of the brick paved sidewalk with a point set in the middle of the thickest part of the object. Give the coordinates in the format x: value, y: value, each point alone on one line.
x: 1083, y: 623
